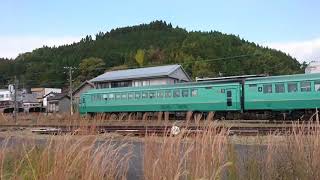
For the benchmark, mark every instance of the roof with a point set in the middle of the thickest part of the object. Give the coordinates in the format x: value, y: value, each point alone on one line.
x: 83, y: 84
x: 294, y: 77
x: 29, y: 98
x: 57, y: 96
x: 230, y: 77
x: 158, y: 71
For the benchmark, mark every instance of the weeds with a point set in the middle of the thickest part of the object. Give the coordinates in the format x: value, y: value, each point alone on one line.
x: 67, y: 158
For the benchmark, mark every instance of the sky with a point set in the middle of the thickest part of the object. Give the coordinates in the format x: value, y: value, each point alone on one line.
x: 291, y: 26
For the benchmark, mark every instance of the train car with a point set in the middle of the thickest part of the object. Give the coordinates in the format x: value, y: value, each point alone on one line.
x: 288, y: 94
x: 196, y: 97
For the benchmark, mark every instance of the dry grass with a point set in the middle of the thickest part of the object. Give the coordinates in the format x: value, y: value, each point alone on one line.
x: 297, y: 156
x: 175, y: 157
x: 189, y: 155
x: 66, y: 158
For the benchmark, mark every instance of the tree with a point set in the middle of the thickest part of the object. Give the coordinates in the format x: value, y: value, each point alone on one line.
x: 90, y: 68
x: 140, y: 57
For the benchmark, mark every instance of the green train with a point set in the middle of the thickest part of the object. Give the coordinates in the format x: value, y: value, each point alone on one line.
x: 272, y: 97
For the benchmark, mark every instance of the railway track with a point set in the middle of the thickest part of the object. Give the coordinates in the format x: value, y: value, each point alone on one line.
x: 142, y: 130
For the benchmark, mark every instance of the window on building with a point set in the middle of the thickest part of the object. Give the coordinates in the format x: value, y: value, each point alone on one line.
x: 305, y: 86
x: 267, y: 88
x: 152, y: 94
x: 138, y: 95
x: 280, y: 88
x: 146, y: 83
x: 185, y: 93
x: 292, y: 87
x: 317, y: 85
x: 130, y: 96
x: 176, y: 93
x: 160, y: 94
x: 144, y: 95
x: 194, y: 92
x: 168, y: 93
x: 121, y: 84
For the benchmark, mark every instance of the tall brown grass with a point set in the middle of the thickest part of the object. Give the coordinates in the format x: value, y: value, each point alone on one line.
x: 66, y: 158
x: 207, y: 154
x: 175, y: 157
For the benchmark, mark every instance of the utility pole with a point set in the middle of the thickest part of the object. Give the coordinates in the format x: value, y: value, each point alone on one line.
x: 70, y: 87
x: 15, y: 108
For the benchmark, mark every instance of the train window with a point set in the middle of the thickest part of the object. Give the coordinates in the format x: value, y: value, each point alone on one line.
x: 305, y: 86
x: 138, y: 95
x: 280, y: 88
x: 152, y: 94
x: 124, y: 96
x: 194, y: 92
x: 160, y: 94
x: 111, y: 96
x: 176, y: 93
x: 105, y: 96
x: 130, y: 96
x: 168, y: 93
x: 292, y: 87
x: 252, y: 85
x: 185, y: 92
x: 144, y: 95
x: 98, y: 97
x: 267, y: 88
x: 317, y: 85
x: 118, y: 96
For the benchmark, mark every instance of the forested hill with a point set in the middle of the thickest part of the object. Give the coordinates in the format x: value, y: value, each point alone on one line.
x: 201, y: 54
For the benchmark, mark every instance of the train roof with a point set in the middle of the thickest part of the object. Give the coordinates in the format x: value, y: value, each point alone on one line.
x: 283, y: 78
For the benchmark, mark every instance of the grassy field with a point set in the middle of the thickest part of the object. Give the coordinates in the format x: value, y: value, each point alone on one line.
x: 208, y: 155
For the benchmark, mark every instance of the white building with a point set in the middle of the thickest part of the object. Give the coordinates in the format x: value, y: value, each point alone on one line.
x: 313, y: 67
x: 42, y: 92
x: 159, y: 75
x: 5, y: 95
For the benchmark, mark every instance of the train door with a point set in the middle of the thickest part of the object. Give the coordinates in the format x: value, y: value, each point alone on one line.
x: 231, y: 96
x: 83, y: 106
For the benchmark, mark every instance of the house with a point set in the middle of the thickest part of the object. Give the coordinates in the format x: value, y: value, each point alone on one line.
x: 5, y: 95
x: 42, y: 92
x: 58, y: 102
x: 159, y: 75
x: 7, y: 100
x: 30, y: 103
x: 85, y: 86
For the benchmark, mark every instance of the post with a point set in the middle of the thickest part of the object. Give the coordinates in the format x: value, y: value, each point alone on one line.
x: 15, y: 100
x: 70, y: 90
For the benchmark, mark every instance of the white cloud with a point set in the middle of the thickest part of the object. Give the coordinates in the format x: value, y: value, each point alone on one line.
x: 308, y: 50
x: 11, y: 47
